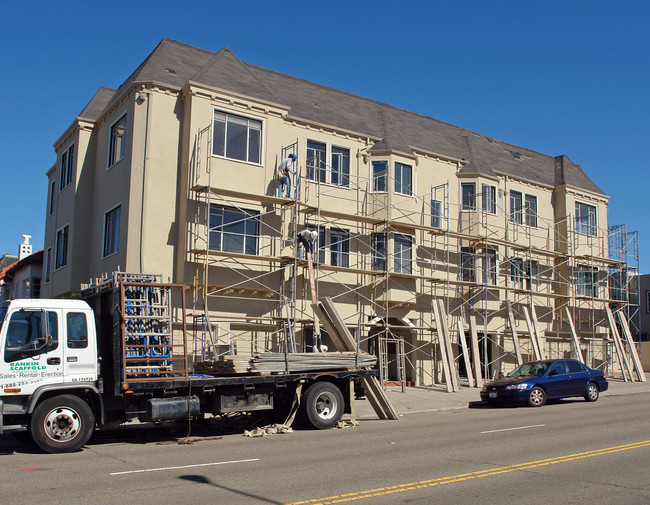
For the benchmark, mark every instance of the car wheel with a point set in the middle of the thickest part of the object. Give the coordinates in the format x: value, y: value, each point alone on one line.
x: 322, y: 405
x: 591, y: 395
x: 537, y: 397
x: 62, y: 424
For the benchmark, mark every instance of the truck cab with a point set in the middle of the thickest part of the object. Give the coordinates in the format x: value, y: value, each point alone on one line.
x: 46, y: 347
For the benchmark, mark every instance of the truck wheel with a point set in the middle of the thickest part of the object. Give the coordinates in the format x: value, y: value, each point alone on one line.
x: 322, y: 405
x: 62, y: 424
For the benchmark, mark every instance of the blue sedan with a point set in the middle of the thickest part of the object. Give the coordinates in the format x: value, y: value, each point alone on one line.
x: 538, y: 381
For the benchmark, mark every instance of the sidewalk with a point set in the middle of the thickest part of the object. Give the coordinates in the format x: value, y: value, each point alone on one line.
x: 421, y: 399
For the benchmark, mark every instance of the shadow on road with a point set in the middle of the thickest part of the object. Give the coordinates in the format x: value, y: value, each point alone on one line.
x: 199, y: 479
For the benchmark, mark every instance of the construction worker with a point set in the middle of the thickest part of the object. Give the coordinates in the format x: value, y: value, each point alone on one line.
x: 285, y: 171
x: 306, y: 239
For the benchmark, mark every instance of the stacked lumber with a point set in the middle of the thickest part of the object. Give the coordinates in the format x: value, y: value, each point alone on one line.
x: 271, y: 362
x: 225, y: 365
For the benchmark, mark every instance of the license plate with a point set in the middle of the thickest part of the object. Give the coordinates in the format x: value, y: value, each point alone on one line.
x: 492, y: 395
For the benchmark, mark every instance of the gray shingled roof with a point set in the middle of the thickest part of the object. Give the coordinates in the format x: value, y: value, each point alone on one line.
x: 174, y: 64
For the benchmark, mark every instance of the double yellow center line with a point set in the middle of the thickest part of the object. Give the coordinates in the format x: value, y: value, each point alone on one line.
x: 400, y: 488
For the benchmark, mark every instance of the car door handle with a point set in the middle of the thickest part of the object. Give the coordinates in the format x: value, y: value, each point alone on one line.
x: 53, y: 361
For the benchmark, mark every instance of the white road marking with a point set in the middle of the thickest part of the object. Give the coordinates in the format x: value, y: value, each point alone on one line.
x: 517, y: 428
x: 185, y: 466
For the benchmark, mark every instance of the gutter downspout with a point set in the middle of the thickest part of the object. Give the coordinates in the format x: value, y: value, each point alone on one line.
x: 144, y: 95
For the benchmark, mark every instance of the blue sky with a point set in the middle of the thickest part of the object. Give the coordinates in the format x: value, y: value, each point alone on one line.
x: 557, y: 77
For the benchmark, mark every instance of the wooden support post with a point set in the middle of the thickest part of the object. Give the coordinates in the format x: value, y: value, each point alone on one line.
x: 531, y: 331
x: 476, y: 355
x: 344, y: 341
x: 635, y: 356
x: 312, y: 287
x: 539, y: 338
x: 443, y: 348
x: 515, y: 336
x: 463, y: 345
x: 450, y: 352
x: 618, y: 345
x: 576, y: 340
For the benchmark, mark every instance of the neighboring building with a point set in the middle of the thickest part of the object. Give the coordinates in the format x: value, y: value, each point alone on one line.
x: 22, y: 278
x: 644, y: 306
x: 175, y: 173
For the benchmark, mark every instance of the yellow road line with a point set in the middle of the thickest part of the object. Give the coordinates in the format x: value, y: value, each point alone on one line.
x: 400, y: 488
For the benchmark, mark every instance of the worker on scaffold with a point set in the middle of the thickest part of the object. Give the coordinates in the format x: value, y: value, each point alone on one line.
x: 285, y: 171
x: 306, y: 239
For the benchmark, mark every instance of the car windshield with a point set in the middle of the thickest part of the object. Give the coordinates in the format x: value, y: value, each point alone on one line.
x: 527, y: 369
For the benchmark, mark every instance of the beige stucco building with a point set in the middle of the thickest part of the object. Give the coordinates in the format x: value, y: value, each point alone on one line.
x: 175, y: 173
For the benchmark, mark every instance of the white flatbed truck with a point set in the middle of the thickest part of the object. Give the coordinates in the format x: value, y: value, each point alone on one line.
x: 68, y: 367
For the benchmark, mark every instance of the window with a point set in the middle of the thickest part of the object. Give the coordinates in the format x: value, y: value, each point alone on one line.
x: 35, y: 291
x: 586, y: 281
x: 111, y: 232
x: 490, y: 266
x: 236, y: 137
x: 316, y: 169
x: 340, y: 248
x: 558, y: 368
x: 67, y: 166
x: 26, y: 338
x: 50, y: 207
x: 117, y: 142
x: 617, y: 284
x: 468, y: 198
x: 61, y: 255
x: 524, y: 273
x: 379, y: 251
x: 77, y: 330
x: 48, y: 260
x: 467, y: 264
x: 585, y: 219
x: 489, y: 198
x: 403, y: 253
x: 531, y: 210
x: 575, y: 366
x: 403, y: 179
x: 516, y: 204
x: 233, y: 230
x: 436, y: 214
x: 379, y: 173
x: 340, y: 166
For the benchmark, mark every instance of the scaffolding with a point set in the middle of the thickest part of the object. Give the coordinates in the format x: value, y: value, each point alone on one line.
x: 512, y: 289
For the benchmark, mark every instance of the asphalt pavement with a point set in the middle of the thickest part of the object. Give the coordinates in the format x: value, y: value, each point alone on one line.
x: 432, y: 399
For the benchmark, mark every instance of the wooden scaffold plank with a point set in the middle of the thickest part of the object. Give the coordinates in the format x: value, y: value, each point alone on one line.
x: 443, y: 348
x: 513, y: 330
x: 635, y: 356
x: 540, y: 340
x: 463, y: 345
x: 450, y: 352
x: 531, y: 332
x: 576, y: 340
x: 476, y: 356
x: 618, y: 346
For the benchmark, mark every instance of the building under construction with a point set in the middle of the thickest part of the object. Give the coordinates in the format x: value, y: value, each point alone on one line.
x: 450, y: 255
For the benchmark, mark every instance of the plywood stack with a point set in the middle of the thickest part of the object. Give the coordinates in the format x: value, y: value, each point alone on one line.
x: 342, y: 339
x: 225, y: 365
x: 271, y: 362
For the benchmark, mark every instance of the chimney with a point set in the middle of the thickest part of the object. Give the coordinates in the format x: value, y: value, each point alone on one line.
x: 25, y: 248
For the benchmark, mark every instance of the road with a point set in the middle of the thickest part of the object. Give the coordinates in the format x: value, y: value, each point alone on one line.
x: 568, y: 452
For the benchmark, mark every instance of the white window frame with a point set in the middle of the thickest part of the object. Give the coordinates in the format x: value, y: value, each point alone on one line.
x: 381, y: 178
x: 115, y: 232
x: 530, y: 217
x: 586, y: 281
x: 409, y: 191
x: 48, y: 264
x: 490, y: 272
x: 52, y: 195
x: 314, y: 164
x: 517, y: 272
x: 489, y: 198
x: 57, y: 265
x: 436, y: 213
x: 400, y: 257
x: 113, y: 137
x: 468, y: 253
x: 343, y: 178
x: 66, y: 167
x: 247, y: 216
x: 591, y: 227
x: 379, y: 260
x: 470, y: 205
x: 343, y: 242
x: 250, y: 121
x: 516, y: 212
